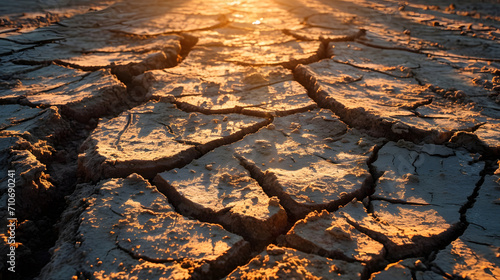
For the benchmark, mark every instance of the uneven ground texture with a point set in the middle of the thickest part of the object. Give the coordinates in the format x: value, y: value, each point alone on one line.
x: 245, y: 139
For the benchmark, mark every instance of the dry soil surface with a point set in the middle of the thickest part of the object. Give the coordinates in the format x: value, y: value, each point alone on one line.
x: 245, y: 139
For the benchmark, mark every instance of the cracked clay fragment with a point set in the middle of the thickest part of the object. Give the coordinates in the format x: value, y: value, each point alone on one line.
x: 230, y: 196
x: 123, y: 228
x: 423, y: 187
x: 155, y: 137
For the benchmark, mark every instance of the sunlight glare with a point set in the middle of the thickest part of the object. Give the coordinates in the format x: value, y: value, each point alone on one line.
x: 257, y: 21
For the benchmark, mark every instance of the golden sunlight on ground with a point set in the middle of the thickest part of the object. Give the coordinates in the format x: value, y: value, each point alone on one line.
x: 222, y: 139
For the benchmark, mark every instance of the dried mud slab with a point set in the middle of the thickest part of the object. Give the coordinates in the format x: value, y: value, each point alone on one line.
x: 32, y: 81
x: 8, y: 47
x: 476, y: 253
x: 431, y: 26
x: 230, y: 196
x: 384, y: 105
x: 14, y: 114
x: 426, y: 23
x: 227, y: 88
x: 155, y: 137
x: 96, y: 94
x: 124, y: 228
x: 286, y: 54
x: 33, y: 37
x: 35, y: 125
x: 277, y: 99
x: 281, y: 262
x: 397, y: 243
x: 400, y: 63
x: 153, y: 18
x: 396, y: 270
x: 302, y: 159
x: 123, y: 51
x: 23, y: 16
x: 462, y: 83
x: 330, y: 235
x: 489, y: 135
x: 353, y: 234
x: 411, y: 268
x: 423, y: 188
x: 80, y: 95
x: 127, y: 56
x: 10, y: 78
x: 189, y: 79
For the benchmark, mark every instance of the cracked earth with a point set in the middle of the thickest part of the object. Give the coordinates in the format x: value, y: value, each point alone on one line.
x: 246, y: 139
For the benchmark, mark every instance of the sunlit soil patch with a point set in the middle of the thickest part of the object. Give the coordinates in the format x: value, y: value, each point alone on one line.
x: 230, y: 196
x: 423, y: 187
x: 301, y: 159
x: 125, y: 227
x: 155, y: 137
x: 384, y: 105
x: 282, y: 262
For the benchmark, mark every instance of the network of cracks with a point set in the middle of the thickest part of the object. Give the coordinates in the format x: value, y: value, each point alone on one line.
x: 252, y: 140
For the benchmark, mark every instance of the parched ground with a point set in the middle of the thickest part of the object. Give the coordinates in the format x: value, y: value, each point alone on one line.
x: 244, y: 139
